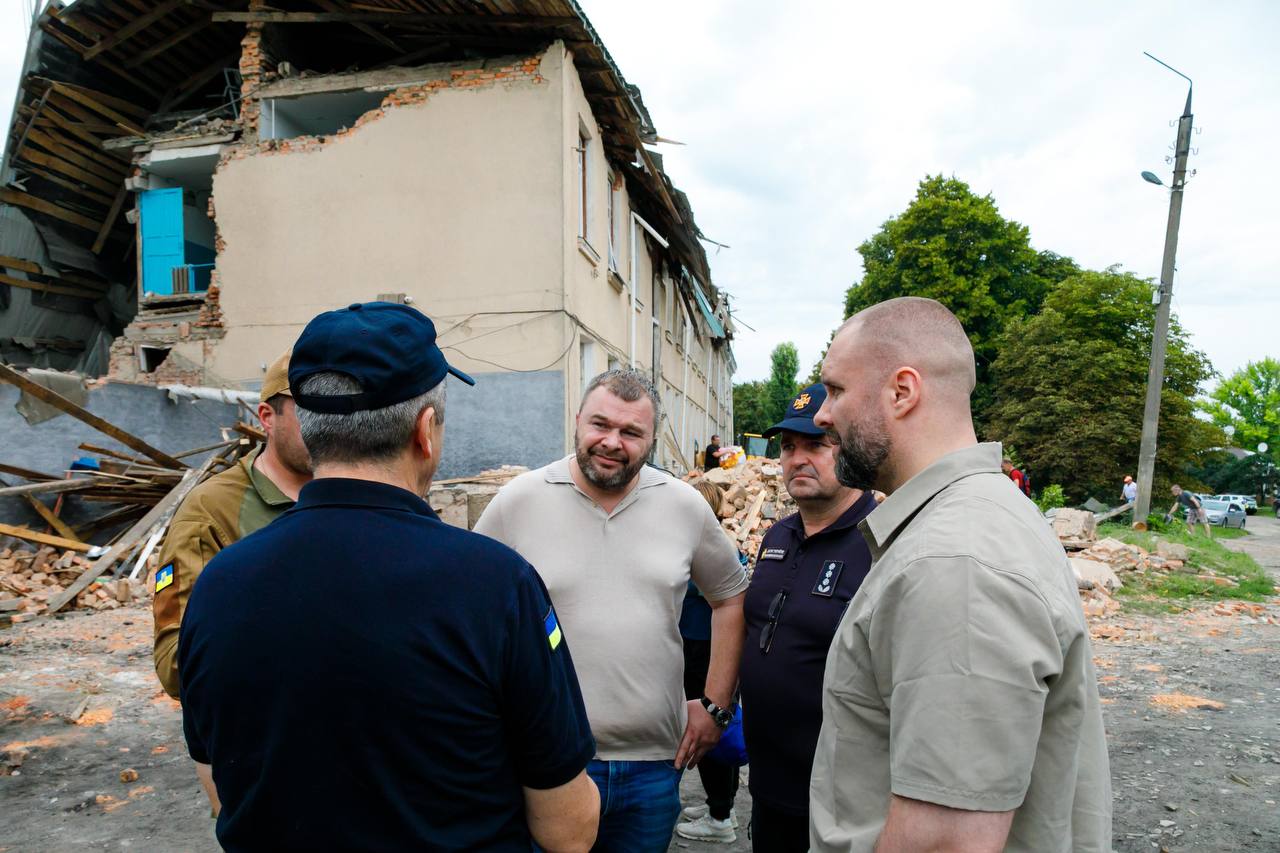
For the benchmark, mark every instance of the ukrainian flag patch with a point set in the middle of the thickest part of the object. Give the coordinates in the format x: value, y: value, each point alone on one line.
x: 553, y: 629
x: 164, y: 577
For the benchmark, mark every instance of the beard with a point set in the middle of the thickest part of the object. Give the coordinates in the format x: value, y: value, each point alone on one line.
x: 609, y: 482
x: 861, y: 453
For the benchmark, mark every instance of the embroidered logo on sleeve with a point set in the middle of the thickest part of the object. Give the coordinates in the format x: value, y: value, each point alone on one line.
x: 164, y: 577
x: 553, y: 629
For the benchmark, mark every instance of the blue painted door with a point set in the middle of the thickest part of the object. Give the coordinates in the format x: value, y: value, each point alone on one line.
x: 162, y: 239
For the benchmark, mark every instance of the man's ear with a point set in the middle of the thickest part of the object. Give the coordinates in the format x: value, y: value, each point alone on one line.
x: 905, y: 387
x: 267, y: 417
x: 424, y: 433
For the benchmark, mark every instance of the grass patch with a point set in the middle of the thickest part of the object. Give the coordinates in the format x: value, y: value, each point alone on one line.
x: 1177, y: 586
x: 1266, y: 511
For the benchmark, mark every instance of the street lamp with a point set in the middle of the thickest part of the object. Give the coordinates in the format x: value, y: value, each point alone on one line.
x: 1152, y: 178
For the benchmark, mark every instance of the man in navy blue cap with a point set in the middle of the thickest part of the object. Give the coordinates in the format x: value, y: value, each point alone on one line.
x: 808, y: 568
x: 362, y: 676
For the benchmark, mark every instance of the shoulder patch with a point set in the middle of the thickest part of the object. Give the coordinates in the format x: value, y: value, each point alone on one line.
x: 774, y: 554
x: 552, y: 626
x: 164, y: 577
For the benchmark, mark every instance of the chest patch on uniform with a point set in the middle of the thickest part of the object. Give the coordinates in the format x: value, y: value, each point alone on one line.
x: 553, y: 629
x: 774, y: 554
x: 830, y: 576
x: 164, y: 577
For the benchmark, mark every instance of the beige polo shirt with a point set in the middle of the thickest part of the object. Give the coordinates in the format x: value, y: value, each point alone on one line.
x: 962, y: 673
x: 617, y: 582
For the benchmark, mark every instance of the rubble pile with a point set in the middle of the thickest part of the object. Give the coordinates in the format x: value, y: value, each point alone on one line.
x: 459, y: 501
x: 754, y: 499
x: 30, y: 579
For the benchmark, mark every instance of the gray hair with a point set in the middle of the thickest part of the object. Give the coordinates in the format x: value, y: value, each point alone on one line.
x: 373, y: 435
x: 629, y: 384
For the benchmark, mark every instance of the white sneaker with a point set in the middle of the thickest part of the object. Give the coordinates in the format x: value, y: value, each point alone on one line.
x: 692, y: 813
x: 707, y: 828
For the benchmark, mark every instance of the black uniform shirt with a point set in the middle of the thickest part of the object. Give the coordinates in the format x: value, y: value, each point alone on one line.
x: 363, y: 676
x: 782, y: 688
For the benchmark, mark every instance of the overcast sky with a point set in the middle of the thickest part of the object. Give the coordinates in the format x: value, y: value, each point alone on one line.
x: 809, y: 124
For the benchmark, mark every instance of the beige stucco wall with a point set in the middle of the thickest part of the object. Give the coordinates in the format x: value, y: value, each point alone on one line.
x: 453, y: 201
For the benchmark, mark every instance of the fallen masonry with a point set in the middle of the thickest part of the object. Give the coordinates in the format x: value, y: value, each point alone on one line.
x: 755, y: 498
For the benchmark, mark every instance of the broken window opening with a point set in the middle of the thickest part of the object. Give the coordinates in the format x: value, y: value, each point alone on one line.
x: 318, y: 114
x: 151, y: 357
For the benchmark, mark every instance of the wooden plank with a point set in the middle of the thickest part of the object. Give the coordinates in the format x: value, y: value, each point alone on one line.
x: 188, y: 87
x: 29, y: 535
x: 133, y: 535
x: 51, y: 517
x: 25, y: 473
x: 134, y: 27
x: 86, y: 122
x: 419, y: 18
x: 104, y: 451
x: 88, y: 145
x: 57, y: 164
x: 79, y: 189
x: 342, y: 8
x: 53, y: 398
x: 103, y: 98
x: 112, y: 215
x: 100, y: 108
x: 35, y: 203
x: 753, y: 517
x: 20, y: 264
x: 50, y: 487
x: 167, y: 43
x: 41, y: 287
x: 70, y: 152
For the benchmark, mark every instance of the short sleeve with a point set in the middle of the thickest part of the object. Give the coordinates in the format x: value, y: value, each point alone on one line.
x: 542, y: 703
x: 964, y: 653
x: 186, y: 550
x: 195, y: 745
x: 715, y: 567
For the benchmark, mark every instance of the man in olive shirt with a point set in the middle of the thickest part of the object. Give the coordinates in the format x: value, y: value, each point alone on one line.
x: 222, y: 510
x: 960, y: 706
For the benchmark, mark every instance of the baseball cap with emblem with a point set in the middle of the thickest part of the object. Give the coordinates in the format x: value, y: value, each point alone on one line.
x: 390, y: 349
x: 800, y: 413
x: 276, y: 380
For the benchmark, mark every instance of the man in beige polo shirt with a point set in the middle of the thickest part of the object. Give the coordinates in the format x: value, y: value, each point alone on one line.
x: 960, y: 707
x: 616, y: 543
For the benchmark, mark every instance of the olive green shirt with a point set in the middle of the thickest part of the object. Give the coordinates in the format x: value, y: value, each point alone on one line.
x: 223, y: 509
x: 962, y: 673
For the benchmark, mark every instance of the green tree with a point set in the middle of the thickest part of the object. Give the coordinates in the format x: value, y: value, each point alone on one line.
x: 954, y: 246
x: 1070, y: 385
x: 750, y: 412
x: 781, y: 388
x: 1249, y: 400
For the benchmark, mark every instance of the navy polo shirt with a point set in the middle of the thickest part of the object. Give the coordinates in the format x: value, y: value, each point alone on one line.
x: 363, y: 676
x: 782, y: 688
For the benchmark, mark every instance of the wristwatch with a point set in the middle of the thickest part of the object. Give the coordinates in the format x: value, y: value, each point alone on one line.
x: 722, y: 716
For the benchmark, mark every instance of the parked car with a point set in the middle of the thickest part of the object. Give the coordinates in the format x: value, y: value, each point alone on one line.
x: 1224, y: 513
x: 1249, y: 502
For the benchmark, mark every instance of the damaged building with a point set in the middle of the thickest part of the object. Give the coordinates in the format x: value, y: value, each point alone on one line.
x: 186, y: 184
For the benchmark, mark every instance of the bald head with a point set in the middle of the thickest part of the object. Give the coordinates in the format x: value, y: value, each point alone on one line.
x: 898, y: 376
x: 913, y: 332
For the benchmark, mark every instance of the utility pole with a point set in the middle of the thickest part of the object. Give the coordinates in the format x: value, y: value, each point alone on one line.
x: 1160, y: 340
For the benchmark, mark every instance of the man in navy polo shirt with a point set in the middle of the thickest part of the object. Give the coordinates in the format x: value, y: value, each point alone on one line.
x: 362, y: 676
x: 808, y: 568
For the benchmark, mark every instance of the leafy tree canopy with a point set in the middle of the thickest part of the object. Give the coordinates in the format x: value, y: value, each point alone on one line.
x: 781, y: 388
x: 954, y: 246
x: 1249, y: 400
x: 1070, y: 385
x: 750, y: 412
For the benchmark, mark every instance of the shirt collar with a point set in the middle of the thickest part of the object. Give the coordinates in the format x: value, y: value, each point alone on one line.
x: 344, y: 492
x: 267, y: 490
x: 857, y: 511
x: 900, y: 507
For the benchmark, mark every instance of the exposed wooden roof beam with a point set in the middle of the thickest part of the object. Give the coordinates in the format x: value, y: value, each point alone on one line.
x: 165, y: 44
x: 509, y: 21
x: 134, y: 27
x: 31, y: 202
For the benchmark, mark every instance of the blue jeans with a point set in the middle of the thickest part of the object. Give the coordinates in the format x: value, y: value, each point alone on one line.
x: 639, y: 805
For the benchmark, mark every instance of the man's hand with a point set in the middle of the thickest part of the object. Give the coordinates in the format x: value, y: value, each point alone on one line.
x: 701, y: 734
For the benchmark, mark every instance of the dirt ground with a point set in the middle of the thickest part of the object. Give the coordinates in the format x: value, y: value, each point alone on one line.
x: 1192, y: 705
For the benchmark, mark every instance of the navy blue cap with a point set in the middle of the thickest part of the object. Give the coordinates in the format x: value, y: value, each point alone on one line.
x: 389, y: 349
x: 800, y: 413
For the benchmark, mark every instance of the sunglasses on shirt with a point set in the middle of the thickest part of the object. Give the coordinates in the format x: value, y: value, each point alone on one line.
x: 775, y: 613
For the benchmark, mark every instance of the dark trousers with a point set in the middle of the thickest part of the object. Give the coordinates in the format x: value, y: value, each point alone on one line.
x: 774, y: 831
x: 719, y: 780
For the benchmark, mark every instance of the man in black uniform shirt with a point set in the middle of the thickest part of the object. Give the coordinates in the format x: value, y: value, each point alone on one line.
x: 808, y: 568
x: 711, y: 458
x: 362, y: 676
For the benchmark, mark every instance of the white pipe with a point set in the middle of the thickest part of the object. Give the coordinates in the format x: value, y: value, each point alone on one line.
x: 684, y: 388
x: 711, y: 350
x: 637, y: 220
x: 221, y: 395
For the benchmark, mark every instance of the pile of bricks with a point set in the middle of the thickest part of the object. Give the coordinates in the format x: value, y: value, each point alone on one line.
x: 30, y: 579
x: 754, y: 499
